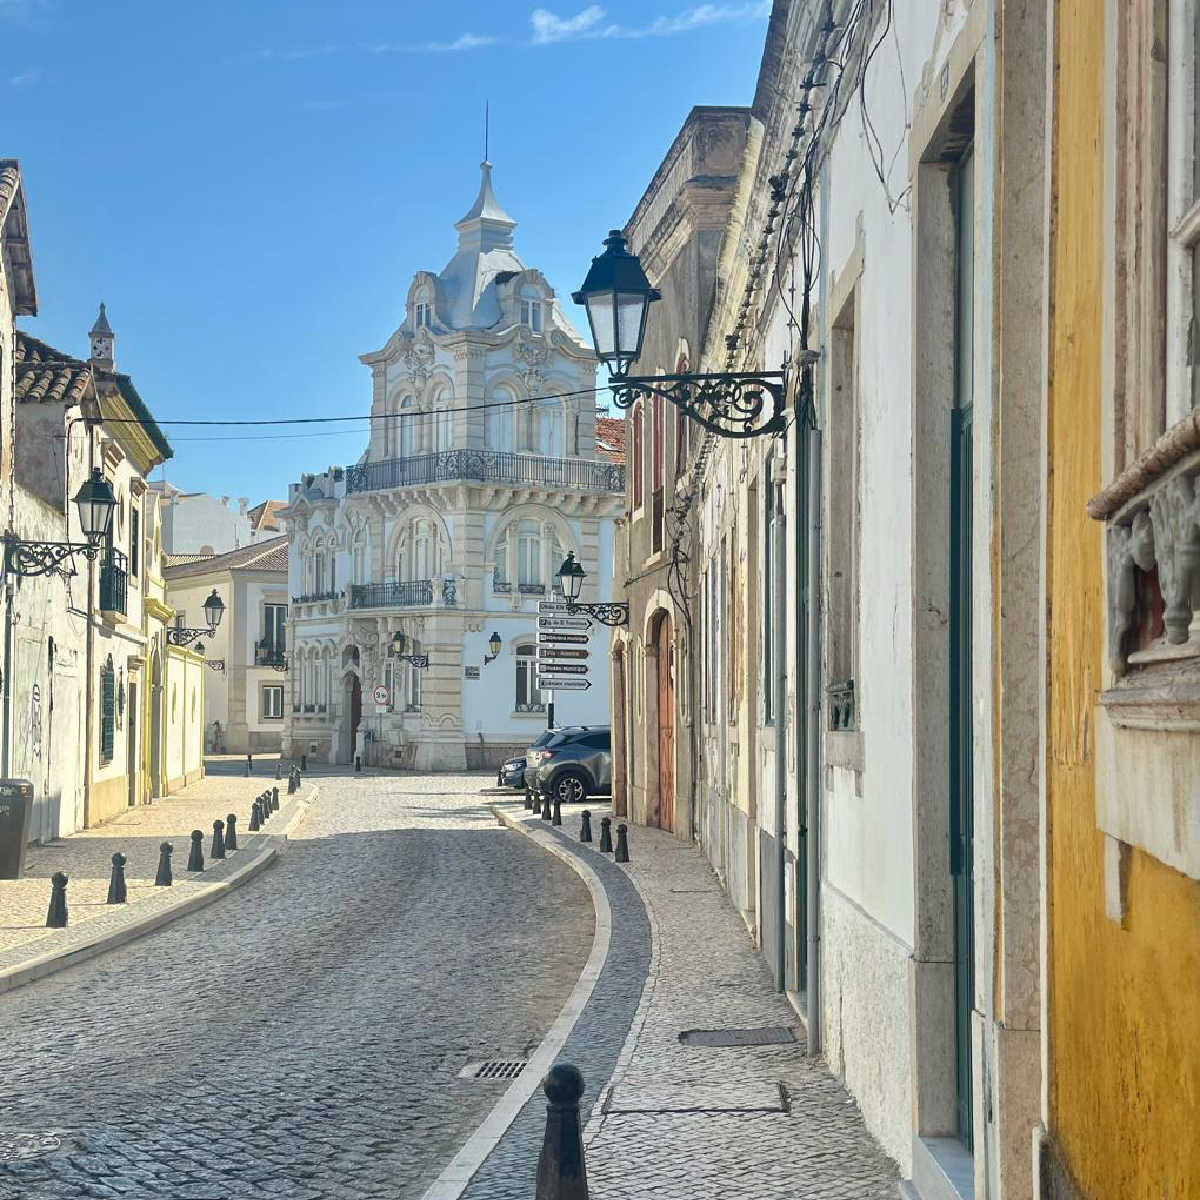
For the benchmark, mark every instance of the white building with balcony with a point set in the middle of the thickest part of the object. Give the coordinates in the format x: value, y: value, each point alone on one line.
x: 482, y: 471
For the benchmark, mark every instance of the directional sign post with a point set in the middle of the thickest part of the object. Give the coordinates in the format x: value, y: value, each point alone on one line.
x: 563, y: 648
x: 564, y: 685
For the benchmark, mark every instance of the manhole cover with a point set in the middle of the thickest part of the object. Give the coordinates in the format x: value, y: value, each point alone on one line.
x: 493, y: 1068
x: 767, y: 1035
x: 27, y: 1145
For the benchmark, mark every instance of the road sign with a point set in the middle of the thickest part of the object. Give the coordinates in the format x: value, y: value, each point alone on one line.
x: 548, y: 607
x: 564, y: 623
x: 564, y: 685
x: 381, y: 694
x: 562, y: 639
x: 561, y: 652
x: 561, y: 668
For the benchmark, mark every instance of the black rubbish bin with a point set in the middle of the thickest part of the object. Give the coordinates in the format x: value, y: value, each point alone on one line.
x: 16, y: 811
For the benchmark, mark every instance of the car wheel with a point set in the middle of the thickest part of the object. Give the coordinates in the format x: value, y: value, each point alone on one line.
x: 571, y: 787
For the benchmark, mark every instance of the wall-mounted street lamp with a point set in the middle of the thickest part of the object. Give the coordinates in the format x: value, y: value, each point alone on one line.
x: 494, y: 647
x: 618, y: 296
x: 214, y: 610
x: 95, y: 502
x: 399, y: 641
x: 570, y: 578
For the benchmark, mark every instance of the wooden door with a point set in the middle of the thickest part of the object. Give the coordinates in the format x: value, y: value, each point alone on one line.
x: 665, y: 658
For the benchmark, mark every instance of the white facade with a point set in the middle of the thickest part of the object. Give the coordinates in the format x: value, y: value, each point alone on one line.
x: 481, y: 474
x: 197, y: 523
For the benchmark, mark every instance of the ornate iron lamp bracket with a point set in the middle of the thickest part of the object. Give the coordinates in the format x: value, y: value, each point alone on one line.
x: 738, y: 404
x: 185, y: 637
x: 614, y: 613
x: 420, y: 661
x: 42, y: 558
x: 215, y: 664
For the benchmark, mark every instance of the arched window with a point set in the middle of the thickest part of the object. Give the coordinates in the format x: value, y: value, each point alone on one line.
x: 405, y: 439
x: 530, y: 308
x: 529, y: 698
x: 423, y: 309
x: 443, y: 431
x: 358, y: 556
x: 420, y: 553
x: 532, y: 552
x: 318, y: 560
x: 498, y: 424
x: 550, y: 429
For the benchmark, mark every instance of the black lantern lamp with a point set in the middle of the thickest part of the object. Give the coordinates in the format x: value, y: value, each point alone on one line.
x: 570, y: 577
x: 214, y: 610
x: 95, y: 503
x: 494, y: 647
x: 399, y: 641
x: 618, y: 296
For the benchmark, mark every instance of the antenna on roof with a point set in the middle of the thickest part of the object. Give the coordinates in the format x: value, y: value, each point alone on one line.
x: 486, y: 128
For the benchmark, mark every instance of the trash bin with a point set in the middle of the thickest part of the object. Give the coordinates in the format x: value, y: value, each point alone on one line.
x: 16, y: 811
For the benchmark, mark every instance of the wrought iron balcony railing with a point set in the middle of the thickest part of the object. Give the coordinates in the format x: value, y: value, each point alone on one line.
x: 487, y: 466
x: 269, y: 654
x: 318, y: 596
x: 502, y: 587
x: 114, y: 580
x: 409, y: 594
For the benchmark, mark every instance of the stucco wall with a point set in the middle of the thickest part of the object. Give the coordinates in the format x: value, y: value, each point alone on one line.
x: 1124, y: 1002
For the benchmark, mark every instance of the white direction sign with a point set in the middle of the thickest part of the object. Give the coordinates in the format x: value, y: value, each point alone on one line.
x: 561, y: 668
x: 562, y: 639
x: 547, y: 607
x: 564, y: 623
x: 563, y: 685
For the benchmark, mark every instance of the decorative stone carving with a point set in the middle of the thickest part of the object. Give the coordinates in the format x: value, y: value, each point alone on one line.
x: 418, y: 355
x: 532, y: 354
x: 1177, y: 551
x: 1128, y: 546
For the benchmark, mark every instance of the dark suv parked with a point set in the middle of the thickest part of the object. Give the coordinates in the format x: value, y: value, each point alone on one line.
x: 574, y: 764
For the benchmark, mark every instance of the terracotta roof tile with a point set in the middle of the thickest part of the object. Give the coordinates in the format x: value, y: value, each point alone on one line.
x: 264, y: 516
x: 610, y: 438
x: 269, y: 555
x: 47, y: 376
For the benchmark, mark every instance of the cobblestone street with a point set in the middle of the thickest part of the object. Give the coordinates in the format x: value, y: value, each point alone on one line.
x: 302, y: 1038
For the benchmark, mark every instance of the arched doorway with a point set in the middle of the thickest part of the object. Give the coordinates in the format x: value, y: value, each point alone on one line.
x: 664, y: 659
x: 353, y: 710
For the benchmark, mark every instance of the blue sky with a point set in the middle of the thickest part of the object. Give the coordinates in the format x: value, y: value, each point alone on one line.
x: 250, y: 184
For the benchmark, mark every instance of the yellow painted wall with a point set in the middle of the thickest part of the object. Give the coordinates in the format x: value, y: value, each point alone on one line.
x: 1124, y: 1021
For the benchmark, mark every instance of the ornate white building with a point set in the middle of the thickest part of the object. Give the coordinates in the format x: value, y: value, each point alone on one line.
x: 482, y: 471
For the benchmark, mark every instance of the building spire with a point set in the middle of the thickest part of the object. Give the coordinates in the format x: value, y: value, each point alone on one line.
x: 486, y: 226
x: 102, y: 341
x: 486, y: 129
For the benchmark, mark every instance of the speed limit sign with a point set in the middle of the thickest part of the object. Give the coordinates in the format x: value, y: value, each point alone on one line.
x: 381, y: 694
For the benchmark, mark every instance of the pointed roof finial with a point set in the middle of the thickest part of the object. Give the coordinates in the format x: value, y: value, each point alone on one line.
x: 101, y: 326
x: 486, y: 206
x: 486, y: 129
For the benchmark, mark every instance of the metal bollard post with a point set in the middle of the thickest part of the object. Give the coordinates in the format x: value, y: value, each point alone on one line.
x: 164, y: 878
x: 606, y: 835
x: 622, y: 854
x: 274, y: 799
x: 196, y: 857
x: 117, y: 893
x: 291, y: 783
x: 255, y: 817
x: 547, y: 813
x: 218, y: 842
x: 231, y: 832
x: 278, y: 769
x: 561, y: 1172
x: 304, y: 762
x: 249, y: 764
x: 585, y: 827
x: 528, y: 800
x: 56, y: 916
x: 557, y: 818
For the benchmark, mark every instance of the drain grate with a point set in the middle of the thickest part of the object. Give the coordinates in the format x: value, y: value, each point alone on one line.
x: 27, y: 1145
x: 493, y: 1068
x: 767, y: 1035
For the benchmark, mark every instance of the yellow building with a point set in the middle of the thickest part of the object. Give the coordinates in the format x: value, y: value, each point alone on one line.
x: 1121, y: 835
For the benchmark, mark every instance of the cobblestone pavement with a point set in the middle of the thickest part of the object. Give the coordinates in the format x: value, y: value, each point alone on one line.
x: 86, y: 857
x: 302, y: 1038
x: 706, y: 976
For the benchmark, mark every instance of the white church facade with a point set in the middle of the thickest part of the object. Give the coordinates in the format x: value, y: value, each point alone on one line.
x: 481, y: 473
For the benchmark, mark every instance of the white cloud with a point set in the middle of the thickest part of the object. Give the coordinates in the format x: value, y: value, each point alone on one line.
x: 590, y: 22
x: 466, y: 41
x: 25, y: 78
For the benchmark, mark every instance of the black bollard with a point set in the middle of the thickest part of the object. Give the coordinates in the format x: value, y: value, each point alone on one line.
x: 249, y: 764
x: 196, y: 857
x: 585, y: 827
x: 164, y: 878
x: 255, y: 817
x: 274, y: 799
x: 528, y: 800
x: 291, y: 783
x: 304, y: 762
x: 278, y: 769
x: 218, y: 842
x: 231, y: 832
x: 622, y: 854
x: 266, y: 805
x: 547, y: 812
x: 561, y: 1172
x: 56, y: 916
x: 605, y: 835
x: 557, y: 818
x: 116, y: 884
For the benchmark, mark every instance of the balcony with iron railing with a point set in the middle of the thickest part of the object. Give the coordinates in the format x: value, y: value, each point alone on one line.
x: 317, y: 598
x: 114, y: 581
x: 269, y: 653
x: 487, y: 466
x: 409, y: 594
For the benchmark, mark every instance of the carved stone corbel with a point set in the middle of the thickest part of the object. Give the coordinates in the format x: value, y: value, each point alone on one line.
x: 1128, y: 547
x: 1177, y: 552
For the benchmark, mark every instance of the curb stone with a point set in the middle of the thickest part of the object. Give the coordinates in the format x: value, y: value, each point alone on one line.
x: 59, y: 960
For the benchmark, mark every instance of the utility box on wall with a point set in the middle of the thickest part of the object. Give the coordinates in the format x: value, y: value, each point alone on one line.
x: 16, y: 811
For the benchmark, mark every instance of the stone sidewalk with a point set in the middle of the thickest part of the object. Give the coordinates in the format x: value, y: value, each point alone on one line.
x: 679, y: 1120
x: 86, y: 857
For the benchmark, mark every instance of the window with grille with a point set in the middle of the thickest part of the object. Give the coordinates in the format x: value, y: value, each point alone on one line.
x: 529, y: 698
x: 108, y: 711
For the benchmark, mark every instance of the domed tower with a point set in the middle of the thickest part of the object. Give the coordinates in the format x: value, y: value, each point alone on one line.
x: 103, y: 342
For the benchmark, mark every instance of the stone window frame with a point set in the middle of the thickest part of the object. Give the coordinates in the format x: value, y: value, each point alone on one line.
x: 1149, y: 704
x: 274, y: 689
